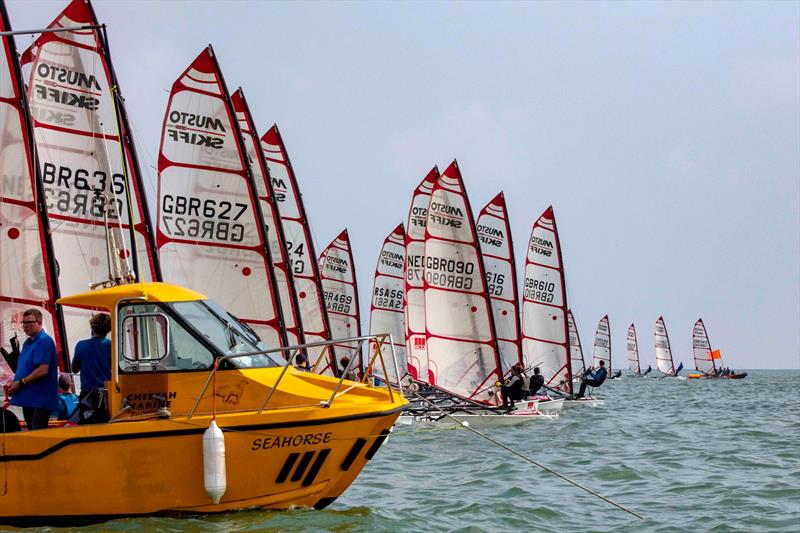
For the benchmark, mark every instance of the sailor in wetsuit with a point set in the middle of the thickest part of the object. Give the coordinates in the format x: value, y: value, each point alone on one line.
x: 512, y: 389
x: 593, y: 379
x: 537, y: 381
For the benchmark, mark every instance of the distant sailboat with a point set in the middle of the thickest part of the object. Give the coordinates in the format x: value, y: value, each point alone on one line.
x: 664, y: 360
x: 602, y: 345
x: 302, y: 255
x: 416, y: 342
x: 386, y: 310
x: 461, y: 340
x: 575, y: 350
x: 494, y: 234
x: 340, y: 291
x: 707, y: 360
x: 633, y: 353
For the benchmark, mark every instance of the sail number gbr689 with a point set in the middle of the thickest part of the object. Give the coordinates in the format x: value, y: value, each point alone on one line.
x: 192, y: 218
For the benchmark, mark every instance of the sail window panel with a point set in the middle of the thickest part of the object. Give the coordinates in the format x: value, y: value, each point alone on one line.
x: 452, y: 266
x: 14, y: 171
x: 308, y: 299
x: 461, y: 367
x: 549, y: 357
x: 448, y: 217
x: 69, y: 88
x: 415, y: 310
x: 493, y: 239
x: 465, y: 317
x: 505, y: 324
x: 81, y: 255
x: 76, y: 322
x: 543, y: 322
x: 206, y: 206
x: 282, y: 187
x: 542, y: 247
x: 21, y: 267
x: 542, y: 286
x: 198, y: 132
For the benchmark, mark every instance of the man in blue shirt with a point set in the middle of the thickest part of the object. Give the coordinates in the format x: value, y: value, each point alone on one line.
x: 93, y: 360
x: 593, y: 379
x: 35, y: 385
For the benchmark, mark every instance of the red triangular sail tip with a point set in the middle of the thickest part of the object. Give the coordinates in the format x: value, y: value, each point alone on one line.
x: 400, y: 229
x: 272, y: 136
x: 344, y: 236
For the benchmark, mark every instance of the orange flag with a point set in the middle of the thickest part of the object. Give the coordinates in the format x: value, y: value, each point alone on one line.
x: 715, y: 354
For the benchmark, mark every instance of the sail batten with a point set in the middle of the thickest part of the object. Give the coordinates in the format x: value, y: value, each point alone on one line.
x: 664, y: 360
x: 415, y: 338
x: 545, y: 329
x: 461, y: 340
x: 210, y: 226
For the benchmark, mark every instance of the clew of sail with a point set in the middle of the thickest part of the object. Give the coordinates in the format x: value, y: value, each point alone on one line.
x: 416, y: 341
x: 575, y: 350
x: 545, y: 337
x: 461, y: 341
x: 704, y: 360
x: 633, y: 351
x: 26, y: 268
x: 494, y: 234
x: 602, y: 344
x: 301, y: 253
x: 663, y: 350
x: 270, y: 212
x: 340, y: 290
x: 210, y: 233
x: 386, y: 309
x: 91, y: 181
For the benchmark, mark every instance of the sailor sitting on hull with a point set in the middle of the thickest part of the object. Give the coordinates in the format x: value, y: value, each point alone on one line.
x: 593, y: 379
x: 513, y: 389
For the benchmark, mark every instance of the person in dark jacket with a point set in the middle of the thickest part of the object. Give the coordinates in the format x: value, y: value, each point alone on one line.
x: 537, y: 381
x: 513, y: 388
x: 593, y: 379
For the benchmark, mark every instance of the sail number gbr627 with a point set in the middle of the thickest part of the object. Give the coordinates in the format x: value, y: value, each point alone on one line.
x: 192, y: 218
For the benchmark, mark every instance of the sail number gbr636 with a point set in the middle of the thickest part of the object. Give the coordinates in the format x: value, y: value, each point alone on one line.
x: 209, y: 219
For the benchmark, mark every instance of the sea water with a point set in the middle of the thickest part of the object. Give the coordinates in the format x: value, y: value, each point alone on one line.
x: 688, y: 455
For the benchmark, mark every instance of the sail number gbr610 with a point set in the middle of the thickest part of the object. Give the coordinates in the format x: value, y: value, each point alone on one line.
x: 540, y: 291
x: 214, y: 220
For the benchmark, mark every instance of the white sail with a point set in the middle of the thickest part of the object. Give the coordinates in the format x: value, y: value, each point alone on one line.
x: 494, y: 234
x: 545, y: 339
x: 386, y: 310
x: 270, y: 213
x: 663, y: 350
x: 210, y: 234
x: 416, y: 341
x: 300, y: 246
x: 340, y: 291
x: 633, y: 351
x: 602, y: 344
x: 26, y: 277
x: 462, y: 347
x: 94, y: 196
x: 701, y: 346
x: 575, y: 349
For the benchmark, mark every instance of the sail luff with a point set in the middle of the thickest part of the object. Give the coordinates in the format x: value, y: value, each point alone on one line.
x: 340, y: 291
x: 12, y: 303
x: 633, y: 351
x: 497, y: 249
x: 460, y: 334
x: 308, y: 285
x: 414, y: 292
x: 387, y: 313
x: 270, y: 217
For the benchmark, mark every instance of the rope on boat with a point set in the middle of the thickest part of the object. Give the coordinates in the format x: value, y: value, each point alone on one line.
x: 528, y: 459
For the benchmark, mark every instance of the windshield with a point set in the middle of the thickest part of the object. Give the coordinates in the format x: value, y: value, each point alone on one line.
x: 229, y: 335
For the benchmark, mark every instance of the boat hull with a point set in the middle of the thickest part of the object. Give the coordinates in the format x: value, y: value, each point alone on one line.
x: 276, y: 460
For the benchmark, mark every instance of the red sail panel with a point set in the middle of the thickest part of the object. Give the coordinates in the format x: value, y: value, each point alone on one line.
x: 340, y: 291
x: 26, y: 279
x: 93, y: 192
x: 209, y: 232
x: 545, y: 336
x: 462, y: 345
x: 416, y: 340
x: 494, y: 234
x: 270, y: 213
x: 302, y: 257
x: 386, y: 310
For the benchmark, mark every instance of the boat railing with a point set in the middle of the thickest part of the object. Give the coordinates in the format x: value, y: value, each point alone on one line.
x: 288, y: 353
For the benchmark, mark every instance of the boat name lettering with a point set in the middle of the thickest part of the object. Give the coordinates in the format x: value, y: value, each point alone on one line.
x: 46, y: 72
x: 490, y: 242
x: 336, y: 264
x: 290, y: 441
x: 51, y: 94
x: 446, y: 209
x: 386, y: 298
x: 48, y: 115
x: 540, y: 246
x: 150, y: 400
x: 197, y: 139
x: 392, y: 259
x: 197, y: 121
x: 539, y: 291
x: 419, y: 217
x: 489, y: 231
x: 338, y: 302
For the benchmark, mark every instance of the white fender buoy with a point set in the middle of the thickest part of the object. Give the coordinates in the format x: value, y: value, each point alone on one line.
x: 214, y: 476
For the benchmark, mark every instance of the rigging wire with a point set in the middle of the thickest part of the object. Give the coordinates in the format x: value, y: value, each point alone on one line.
x: 528, y: 459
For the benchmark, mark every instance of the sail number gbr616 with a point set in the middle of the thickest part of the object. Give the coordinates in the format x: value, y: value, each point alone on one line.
x: 214, y: 220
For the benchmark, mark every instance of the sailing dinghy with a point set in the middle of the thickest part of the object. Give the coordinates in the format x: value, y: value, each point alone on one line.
x: 575, y: 349
x: 706, y: 360
x: 664, y: 361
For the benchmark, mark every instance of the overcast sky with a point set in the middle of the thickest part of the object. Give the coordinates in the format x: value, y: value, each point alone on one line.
x: 665, y: 135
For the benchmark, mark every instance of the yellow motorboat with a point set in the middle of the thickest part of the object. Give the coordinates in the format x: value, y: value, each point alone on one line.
x: 179, y: 362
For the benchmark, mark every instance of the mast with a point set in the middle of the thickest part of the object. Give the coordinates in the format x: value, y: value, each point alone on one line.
x: 48, y: 297
x: 300, y: 247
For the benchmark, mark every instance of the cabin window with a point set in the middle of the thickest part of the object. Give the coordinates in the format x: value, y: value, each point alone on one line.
x: 152, y: 340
